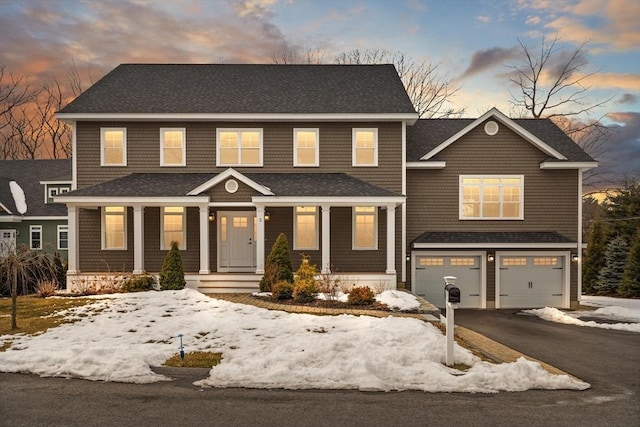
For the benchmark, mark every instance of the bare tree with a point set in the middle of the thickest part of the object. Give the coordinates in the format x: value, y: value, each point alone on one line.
x: 299, y: 56
x: 429, y: 91
x: 551, y: 84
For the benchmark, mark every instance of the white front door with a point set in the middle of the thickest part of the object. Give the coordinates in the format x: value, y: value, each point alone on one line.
x: 236, y: 241
x: 7, y: 242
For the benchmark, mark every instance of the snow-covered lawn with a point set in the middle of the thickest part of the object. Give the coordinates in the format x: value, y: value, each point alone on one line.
x: 119, y: 337
x: 618, y: 313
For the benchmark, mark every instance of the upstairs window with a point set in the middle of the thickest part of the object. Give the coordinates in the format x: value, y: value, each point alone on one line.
x: 114, y: 227
x: 305, y: 142
x: 113, y: 147
x: 239, y: 147
x: 173, y: 227
x: 491, y: 197
x: 365, y: 147
x: 173, y: 147
x: 35, y: 237
x: 365, y: 228
x: 305, y: 234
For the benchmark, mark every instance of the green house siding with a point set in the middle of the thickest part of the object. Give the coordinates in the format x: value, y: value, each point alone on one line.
x: 49, y: 234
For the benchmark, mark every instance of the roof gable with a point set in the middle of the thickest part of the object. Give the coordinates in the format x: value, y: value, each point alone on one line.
x: 230, y: 173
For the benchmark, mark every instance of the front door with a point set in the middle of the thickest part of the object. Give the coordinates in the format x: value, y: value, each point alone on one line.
x: 7, y: 242
x: 236, y: 241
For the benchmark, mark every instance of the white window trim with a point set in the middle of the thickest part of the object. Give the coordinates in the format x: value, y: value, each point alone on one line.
x: 51, y: 193
x: 461, y: 216
x: 60, y: 229
x: 316, y: 245
x: 239, y: 132
x: 353, y: 229
x: 183, y: 161
x: 316, y: 161
x: 32, y: 229
x: 167, y: 246
x: 103, y: 213
x: 124, y: 146
x: 354, y: 150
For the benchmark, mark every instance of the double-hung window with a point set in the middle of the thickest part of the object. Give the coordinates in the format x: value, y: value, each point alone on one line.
x: 35, y: 237
x: 239, y: 147
x: 173, y: 146
x: 305, y: 234
x: 63, y: 237
x: 173, y: 226
x: 492, y: 197
x: 365, y: 228
x: 365, y: 147
x: 114, y: 227
x: 113, y: 146
x: 306, y: 147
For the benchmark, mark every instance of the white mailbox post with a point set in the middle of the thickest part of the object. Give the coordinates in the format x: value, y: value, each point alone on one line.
x: 452, y: 298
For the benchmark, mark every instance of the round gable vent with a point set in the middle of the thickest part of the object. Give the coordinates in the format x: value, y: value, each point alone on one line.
x: 231, y: 186
x: 491, y: 128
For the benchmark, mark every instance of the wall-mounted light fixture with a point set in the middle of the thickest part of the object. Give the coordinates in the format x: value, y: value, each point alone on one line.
x: 212, y: 215
x: 408, y: 258
x: 267, y: 215
x: 490, y: 257
x: 574, y: 258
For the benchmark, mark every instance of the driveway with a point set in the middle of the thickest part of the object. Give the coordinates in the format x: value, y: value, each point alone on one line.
x: 607, y: 359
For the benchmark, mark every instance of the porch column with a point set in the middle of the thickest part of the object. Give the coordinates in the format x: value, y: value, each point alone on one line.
x: 204, y: 239
x: 138, y: 239
x: 260, y: 240
x: 72, y: 251
x: 326, y: 239
x: 391, y: 239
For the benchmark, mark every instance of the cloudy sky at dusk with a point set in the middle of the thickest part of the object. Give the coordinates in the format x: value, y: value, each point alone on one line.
x: 472, y: 40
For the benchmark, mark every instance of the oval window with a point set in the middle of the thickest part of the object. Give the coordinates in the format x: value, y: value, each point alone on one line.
x: 491, y: 128
x: 231, y: 186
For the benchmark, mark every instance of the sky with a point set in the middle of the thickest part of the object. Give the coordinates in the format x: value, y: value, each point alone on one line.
x: 471, y: 41
x: 119, y: 337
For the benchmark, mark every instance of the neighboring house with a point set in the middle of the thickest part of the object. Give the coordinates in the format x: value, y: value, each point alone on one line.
x: 28, y: 214
x: 223, y: 158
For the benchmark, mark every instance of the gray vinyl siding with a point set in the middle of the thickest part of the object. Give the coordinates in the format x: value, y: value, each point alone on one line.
x: 219, y: 194
x: 143, y: 150
x: 91, y: 256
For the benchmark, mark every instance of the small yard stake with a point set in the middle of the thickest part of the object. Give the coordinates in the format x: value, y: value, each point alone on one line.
x: 181, y: 348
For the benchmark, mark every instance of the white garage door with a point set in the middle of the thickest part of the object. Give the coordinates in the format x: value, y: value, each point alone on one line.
x: 531, y: 281
x: 430, y: 271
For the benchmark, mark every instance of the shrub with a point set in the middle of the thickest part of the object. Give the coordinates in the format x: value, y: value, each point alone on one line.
x: 172, y: 273
x: 46, y: 288
x: 60, y: 270
x: 140, y: 283
x: 306, y: 269
x: 305, y: 290
x: 361, y: 295
x: 282, y: 290
x: 278, y: 265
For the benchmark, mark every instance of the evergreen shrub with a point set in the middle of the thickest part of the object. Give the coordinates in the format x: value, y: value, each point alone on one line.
x: 361, y: 295
x: 172, y: 274
x: 282, y: 290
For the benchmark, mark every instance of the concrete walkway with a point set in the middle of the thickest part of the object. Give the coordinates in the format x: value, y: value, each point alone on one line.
x: 490, y: 349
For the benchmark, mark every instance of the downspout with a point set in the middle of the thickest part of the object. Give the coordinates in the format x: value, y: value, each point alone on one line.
x: 579, y: 252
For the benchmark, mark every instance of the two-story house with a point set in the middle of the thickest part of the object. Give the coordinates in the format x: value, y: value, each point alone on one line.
x: 222, y: 158
x: 28, y: 215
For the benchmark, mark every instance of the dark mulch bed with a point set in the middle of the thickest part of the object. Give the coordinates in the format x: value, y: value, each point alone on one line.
x: 334, y: 304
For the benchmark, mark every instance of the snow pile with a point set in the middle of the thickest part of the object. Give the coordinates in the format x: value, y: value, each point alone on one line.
x: 18, y: 197
x: 398, y: 300
x: 118, y: 337
x: 555, y: 315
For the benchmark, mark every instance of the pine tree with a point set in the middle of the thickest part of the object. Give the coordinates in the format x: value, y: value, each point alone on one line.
x: 278, y: 265
x: 611, y: 274
x: 172, y: 274
x: 594, y: 257
x: 630, y: 285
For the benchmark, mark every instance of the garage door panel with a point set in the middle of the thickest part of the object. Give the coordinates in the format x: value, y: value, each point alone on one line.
x: 430, y: 271
x: 531, y: 281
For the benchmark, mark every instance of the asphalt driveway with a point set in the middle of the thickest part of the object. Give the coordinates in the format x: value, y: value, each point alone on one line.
x: 607, y: 359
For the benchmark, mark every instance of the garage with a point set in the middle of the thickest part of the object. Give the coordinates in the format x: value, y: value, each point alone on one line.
x: 429, y: 282
x: 531, y: 281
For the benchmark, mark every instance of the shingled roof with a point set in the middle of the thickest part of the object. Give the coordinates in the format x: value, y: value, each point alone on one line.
x: 427, y: 134
x: 28, y: 174
x: 245, y: 89
x: 487, y: 238
x: 280, y: 184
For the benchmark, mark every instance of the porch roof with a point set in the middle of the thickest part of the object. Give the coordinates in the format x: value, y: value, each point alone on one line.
x: 142, y: 185
x: 490, y: 238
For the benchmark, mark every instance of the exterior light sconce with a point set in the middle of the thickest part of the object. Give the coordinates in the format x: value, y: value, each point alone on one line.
x: 408, y: 258
x: 574, y: 258
x: 491, y: 258
x: 212, y: 215
x: 267, y: 215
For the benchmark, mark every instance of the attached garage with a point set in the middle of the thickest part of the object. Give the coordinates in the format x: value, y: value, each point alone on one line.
x: 532, y: 280
x: 429, y: 270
